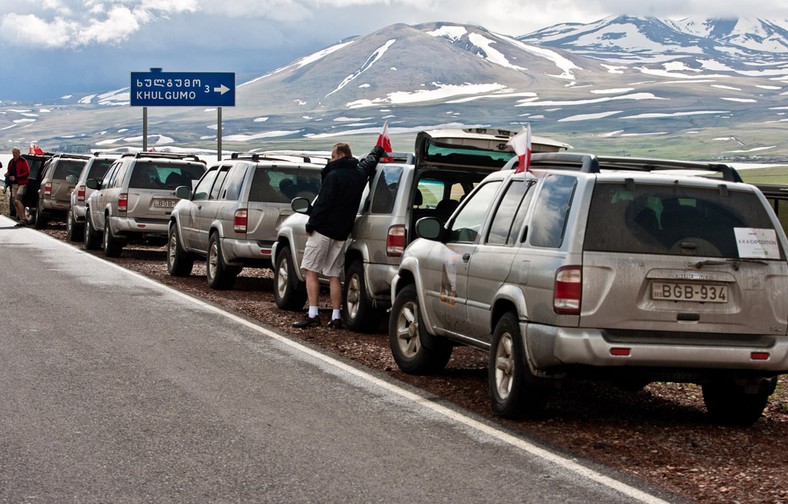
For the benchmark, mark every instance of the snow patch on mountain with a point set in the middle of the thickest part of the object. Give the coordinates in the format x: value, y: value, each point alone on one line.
x: 373, y: 58
x: 441, y: 92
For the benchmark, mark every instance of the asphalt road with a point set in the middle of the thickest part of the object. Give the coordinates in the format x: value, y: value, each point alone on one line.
x: 114, y: 388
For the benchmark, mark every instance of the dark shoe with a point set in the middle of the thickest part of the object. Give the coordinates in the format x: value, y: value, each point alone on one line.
x: 20, y: 224
x: 307, y: 323
x: 335, y: 324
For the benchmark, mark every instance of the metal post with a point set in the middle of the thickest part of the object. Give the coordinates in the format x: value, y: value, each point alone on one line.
x: 144, y: 129
x: 219, y: 134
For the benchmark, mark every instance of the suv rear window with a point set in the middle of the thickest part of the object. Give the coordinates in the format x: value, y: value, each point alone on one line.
x: 654, y: 219
x: 66, y: 167
x: 163, y: 175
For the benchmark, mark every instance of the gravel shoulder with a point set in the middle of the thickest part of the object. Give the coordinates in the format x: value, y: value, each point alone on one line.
x: 659, y: 434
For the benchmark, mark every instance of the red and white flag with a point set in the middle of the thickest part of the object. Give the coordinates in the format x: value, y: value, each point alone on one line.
x: 521, y: 143
x: 384, y: 141
x: 35, y: 149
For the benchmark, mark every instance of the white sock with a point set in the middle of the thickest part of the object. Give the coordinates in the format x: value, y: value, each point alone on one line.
x: 312, y: 311
x: 336, y: 314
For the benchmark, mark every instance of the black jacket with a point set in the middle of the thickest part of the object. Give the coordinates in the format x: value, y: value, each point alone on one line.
x: 336, y: 206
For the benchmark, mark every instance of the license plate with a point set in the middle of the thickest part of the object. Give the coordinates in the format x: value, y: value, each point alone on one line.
x: 704, y: 293
x: 164, y: 203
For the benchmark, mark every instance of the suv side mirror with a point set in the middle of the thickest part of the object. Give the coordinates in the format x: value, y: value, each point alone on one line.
x: 429, y: 228
x: 183, y: 192
x: 93, y: 183
x: 301, y: 205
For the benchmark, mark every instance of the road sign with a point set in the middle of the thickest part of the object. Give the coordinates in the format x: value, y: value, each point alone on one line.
x: 181, y: 89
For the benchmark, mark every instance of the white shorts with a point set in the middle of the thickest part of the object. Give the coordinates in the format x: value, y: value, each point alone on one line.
x: 323, y: 255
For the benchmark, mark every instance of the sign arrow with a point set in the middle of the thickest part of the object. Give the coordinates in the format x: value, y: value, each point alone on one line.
x: 221, y: 89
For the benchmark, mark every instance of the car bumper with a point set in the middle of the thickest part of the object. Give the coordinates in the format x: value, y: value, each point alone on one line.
x: 125, y: 225
x: 243, y: 251
x: 551, y: 347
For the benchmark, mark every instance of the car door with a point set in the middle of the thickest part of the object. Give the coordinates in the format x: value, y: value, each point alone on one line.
x: 188, y: 217
x: 448, y: 268
x: 207, y: 209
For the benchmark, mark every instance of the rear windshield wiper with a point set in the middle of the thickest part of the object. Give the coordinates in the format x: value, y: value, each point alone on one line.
x: 735, y: 262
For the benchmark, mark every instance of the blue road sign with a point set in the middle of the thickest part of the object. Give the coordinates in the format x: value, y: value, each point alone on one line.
x: 181, y: 89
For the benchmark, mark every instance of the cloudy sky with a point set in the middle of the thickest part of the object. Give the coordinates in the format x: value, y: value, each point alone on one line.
x: 52, y: 48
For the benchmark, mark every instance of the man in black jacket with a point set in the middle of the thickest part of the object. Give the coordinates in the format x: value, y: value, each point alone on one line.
x: 330, y: 223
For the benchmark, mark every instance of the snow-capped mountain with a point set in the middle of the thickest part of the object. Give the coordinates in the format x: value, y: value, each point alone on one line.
x: 717, y: 87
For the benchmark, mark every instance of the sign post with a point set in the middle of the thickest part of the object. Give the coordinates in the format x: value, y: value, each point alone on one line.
x: 182, y: 89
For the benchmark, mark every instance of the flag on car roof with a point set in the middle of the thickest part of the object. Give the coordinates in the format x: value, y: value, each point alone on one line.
x: 35, y: 149
x: 521, y: 143
x: 384, y: 141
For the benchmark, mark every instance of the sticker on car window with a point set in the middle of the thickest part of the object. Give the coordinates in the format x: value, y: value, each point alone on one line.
x: 757, y: 243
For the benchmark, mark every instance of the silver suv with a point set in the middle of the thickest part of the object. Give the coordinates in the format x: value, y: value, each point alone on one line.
x: 605, y: 268
x: 95, y: 168
x: 57, y: 181
x: 134, y: 199
x: 231, y: 216
x: 447, y: 164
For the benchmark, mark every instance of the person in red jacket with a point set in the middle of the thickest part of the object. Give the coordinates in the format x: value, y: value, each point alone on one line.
x: 18, y: 171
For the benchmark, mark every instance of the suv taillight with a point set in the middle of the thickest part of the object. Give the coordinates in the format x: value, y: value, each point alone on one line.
x: 395, y: 241
x: 240, y: 220
x: 48, y: 189
x: 567, y: 290
x: 81, y: 193
x: 123, y: 202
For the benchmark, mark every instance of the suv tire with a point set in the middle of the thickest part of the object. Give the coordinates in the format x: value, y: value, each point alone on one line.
x: 179, y: 262
x: 360, y: 314
x: 289, y: 293
x: 220, y: 276
x: 514, y: 390
x: 728, y: 403
x: 73, y: 228
x: 41, y: 219
x: 113, y: 246
x: 92, y: 238
x: 405, y: 337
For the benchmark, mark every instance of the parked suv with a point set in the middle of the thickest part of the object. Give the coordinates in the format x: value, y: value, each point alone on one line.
x: 134, y: 199
x: 58, y: 177
x: 447, y: 165
x: 231, y: 216
x: 95, y: 168
x: 604, y: 268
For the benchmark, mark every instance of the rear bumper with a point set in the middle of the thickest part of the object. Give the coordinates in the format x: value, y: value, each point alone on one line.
x: 551, y: 347
x: 245, y: 251
x: 127, y: 225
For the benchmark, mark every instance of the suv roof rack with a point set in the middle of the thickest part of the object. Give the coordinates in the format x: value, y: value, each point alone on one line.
x: 67, y: 154
x: 268, y: 156
x: 398, y: 157
x: 165, y: 155
x: 590, y: 163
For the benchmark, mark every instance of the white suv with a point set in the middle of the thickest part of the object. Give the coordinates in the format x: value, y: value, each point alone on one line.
x: 604, y: 268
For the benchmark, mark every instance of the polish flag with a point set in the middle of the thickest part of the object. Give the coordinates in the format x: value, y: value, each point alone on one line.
x: 521, y: 143
x: 384, y: 141
x: 35, y: 149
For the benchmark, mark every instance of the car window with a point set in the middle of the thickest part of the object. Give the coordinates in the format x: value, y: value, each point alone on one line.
x: 111, y: 176
x: 232, y: 188
x: 203, y: 188
x: 386, y: 190
x: 552, y: 211
x: 164, y: 175
x: 264, y: 189
x: 217, y: 186
x: 98, y: 168
x: 66, y: 167
x: 502, y: 225
x: 295, y: 181
x: 677, y: 220
x: 470, y: 218
x: 431, y: 192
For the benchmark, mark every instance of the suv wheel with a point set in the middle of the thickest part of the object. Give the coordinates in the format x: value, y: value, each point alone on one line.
x: 289, y: 293
x: 73, y: 228
x: 405, y: 339
x: 112, y: 245
x: 41, y: 219
x: 515, y: 391
x: 179, y: 262
x: 360, y: 315
x: 219, y: 276
x: 729, y: 404
x: 92, y: 238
